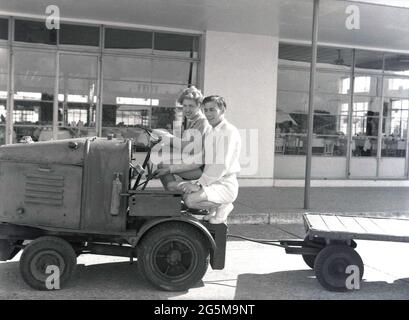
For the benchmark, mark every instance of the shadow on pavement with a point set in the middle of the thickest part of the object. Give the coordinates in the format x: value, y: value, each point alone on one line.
x: 302, y: 284
x: 116, y: 280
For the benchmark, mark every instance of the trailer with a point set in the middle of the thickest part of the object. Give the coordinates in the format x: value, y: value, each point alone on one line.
x: 329, y: 244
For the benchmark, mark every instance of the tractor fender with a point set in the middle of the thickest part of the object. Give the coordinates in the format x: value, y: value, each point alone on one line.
x: 152, y: 223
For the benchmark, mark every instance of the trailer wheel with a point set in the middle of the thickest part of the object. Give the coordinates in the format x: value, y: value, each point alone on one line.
x: 44, y: 252
x: 173, y: 256
x: 331, y: 266
x: 309, y: 259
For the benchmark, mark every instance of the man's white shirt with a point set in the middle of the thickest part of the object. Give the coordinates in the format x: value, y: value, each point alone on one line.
x: 221, y: 152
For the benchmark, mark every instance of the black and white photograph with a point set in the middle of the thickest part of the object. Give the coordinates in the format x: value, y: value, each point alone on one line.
x: 204, y: 155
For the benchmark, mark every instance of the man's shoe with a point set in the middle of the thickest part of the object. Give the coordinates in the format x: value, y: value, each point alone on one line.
x: 222, y: 213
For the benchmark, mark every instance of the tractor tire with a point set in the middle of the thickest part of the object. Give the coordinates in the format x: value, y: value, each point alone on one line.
x: 173, y: 256
x: 309, y: 259
x: 331, y: 265
x: 44, y: 252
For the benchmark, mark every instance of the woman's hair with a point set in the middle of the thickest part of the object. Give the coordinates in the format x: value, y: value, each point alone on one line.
x: 218, y: 99
x: 191, y: 93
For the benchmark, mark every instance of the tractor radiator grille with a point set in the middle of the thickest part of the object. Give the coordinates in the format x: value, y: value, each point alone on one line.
x: 44, y: 189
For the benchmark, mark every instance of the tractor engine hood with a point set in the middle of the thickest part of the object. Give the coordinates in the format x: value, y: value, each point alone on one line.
x: 70, y: 151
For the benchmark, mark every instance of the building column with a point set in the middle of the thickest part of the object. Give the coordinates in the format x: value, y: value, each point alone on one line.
x: 243, y: 69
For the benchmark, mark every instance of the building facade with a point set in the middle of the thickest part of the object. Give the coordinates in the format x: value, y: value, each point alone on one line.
x: 122, y: 66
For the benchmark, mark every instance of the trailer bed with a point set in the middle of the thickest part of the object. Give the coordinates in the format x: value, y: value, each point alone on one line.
x: 347, y: 227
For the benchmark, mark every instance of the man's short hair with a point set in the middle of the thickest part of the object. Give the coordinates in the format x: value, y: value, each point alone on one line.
x: 215, y: 98
x: 191, y: 93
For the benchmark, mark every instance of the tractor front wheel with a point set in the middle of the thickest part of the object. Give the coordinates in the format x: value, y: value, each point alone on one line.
x: 47, y: 263
x: 173, y: 256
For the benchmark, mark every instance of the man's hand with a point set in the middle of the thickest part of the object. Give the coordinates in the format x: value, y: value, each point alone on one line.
x: 188, y: 187
x: 161, y: 172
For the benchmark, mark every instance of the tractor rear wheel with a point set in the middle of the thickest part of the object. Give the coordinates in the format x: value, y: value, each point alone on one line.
x: 47, y: 263
x: 173, y: 256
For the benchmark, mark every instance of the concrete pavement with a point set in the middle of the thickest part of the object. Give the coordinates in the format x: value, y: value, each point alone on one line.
x: 263, y: 205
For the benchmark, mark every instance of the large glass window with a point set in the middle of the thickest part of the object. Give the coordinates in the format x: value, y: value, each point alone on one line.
x: 34, y: 77
x: 72, y: 34
x: 34, y: 32
x: 136, y: 91
x: 77, y: 96
x: 332, y: 95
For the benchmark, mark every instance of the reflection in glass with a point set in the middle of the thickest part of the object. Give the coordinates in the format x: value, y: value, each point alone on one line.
x: 34, y: 92
x: 133, y: 40
x: 77, y: 96
x: 176, y: 45
x: 363, y: 146
x: 73, y: 34
x: 170, y: 71
x: 126, y: 104
x: 364, y: 123
x: 365, y: 113
x: 365, y: 59
x: 3, y: 114
x: 167, y: 118
x: 393, y: 147
x: 322, y: 145
x: 3, y: 93
x: 292, y: 102
x: 123, y: 120
x: 367, y: 85
x: 334, y: 56
x: 396, y: 87
x: 325, y: 55
x: 332, y: 83
x: 395, y: 126
x: 127, y: 69
x: 4, y: 29
x: 397, y: 63
x: 293, y: 80
x: 34, y: 32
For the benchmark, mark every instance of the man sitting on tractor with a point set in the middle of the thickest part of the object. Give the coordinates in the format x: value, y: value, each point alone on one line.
x: 217, y: 187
